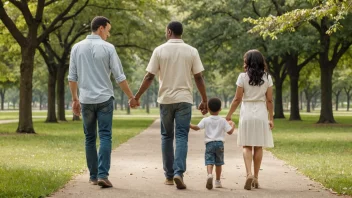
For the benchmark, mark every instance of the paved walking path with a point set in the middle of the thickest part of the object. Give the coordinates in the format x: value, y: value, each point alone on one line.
x: 136, y: 171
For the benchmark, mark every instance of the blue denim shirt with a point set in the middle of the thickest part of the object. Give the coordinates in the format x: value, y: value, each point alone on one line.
x: 91, y: 63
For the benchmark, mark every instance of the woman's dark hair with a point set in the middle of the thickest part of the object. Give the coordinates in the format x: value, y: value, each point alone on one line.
x: 214, y: 104
x: 255, y: 66
x: 97, y: 22
x: 175, y: 27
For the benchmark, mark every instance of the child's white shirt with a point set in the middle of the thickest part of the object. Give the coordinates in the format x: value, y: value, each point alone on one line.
x: 215, y: 128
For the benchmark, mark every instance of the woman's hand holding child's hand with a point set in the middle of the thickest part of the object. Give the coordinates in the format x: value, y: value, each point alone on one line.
x: 233, y: 125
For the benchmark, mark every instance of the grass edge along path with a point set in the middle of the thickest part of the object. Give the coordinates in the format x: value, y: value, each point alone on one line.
x: 320, y: 152
x: 38, y: 165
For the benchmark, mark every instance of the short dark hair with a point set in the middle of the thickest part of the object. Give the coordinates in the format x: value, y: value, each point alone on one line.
x: 97, y: 22
x: 175, y: 27
x: 214, y: 104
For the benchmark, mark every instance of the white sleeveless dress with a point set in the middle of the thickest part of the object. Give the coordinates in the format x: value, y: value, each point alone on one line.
x: 254, y: 127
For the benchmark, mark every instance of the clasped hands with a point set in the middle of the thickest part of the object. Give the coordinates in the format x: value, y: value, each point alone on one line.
x: 134, y: 103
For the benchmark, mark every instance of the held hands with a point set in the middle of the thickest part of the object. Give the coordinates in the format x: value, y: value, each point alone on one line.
x: 76, y: 107
x: 233, y: 125
x: 271, y: 124
x: 133, y: 103
x: 203, y: 107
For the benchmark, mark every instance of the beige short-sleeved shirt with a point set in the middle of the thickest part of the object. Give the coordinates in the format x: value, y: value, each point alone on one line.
x: 175, y: 62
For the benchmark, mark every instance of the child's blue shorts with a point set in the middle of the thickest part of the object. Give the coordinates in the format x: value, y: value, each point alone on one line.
x: 214, y: 153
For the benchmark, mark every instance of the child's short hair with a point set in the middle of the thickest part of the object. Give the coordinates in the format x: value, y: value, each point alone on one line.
x: 214, y: 104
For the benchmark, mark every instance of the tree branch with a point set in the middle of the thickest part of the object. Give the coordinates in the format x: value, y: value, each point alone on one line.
x: 316, y: 25
x: 110, y: 8
x: 133, y: 46
x: 226, y: 13
x: 300, y: 66
x: 338, y: 54
x: 49, y: 2
x: 23, y: 7
x: 11, y: 26
x: 277, y: 7
x: 40, y: 10
x: 255, y: 9
x: 69, y: 32
x: 53, y: 26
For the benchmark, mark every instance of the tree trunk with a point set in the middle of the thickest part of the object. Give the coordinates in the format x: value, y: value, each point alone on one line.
x: 348, y: 99
x: 122, y: 102
x: 60, y: 98
x: 293, y: 71
x: 308, y: 105
x: 128, y: 108
x: 2, y: 95
x: 75, y: 118
x: 278, y: 109
x: 225, y: 98
x: 301, y: 101
x: 115, y: 104
x: 40, y: 102
x: 25, y: 123
x: 147, y: 101
x: 196, y: 99
x: 337, y: 95
x: 313, y: 103
x: 348, y: 102
x: 326, y: 114
x: 156, y: 90
x: 51, y: 115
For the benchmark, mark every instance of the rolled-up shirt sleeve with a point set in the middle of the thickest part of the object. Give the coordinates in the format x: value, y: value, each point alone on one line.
x: 197, y: 66
x: 72, y: 71
x: 153, y: 65
x: 116, y: 66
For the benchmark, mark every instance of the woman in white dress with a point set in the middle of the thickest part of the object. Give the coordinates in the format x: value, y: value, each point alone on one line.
x: 254, y: 90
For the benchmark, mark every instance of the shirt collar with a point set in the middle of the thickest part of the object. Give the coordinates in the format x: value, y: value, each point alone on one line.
x: 175, y: 41
x: 93, y: 36
x: 214, y: 116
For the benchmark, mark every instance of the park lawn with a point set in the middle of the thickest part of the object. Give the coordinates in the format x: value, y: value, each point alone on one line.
x: 38, y: 165
x: 13, y: 115
x: 321, y: 152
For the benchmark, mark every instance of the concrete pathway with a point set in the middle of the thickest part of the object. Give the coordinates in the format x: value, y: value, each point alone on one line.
x: 136, y: 171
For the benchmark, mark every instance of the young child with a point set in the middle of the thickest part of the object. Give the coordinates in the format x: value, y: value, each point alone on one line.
x: 215, y: 129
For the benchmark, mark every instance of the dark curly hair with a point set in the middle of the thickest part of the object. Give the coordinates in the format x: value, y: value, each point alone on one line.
x: 255, y: 66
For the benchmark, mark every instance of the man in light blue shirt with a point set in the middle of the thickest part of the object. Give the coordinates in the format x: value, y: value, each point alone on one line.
x: 91, y: 63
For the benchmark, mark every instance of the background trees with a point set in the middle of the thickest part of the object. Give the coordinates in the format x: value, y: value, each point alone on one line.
x: 301, y: 53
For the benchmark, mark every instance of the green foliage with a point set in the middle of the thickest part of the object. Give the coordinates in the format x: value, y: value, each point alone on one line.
x: 51, y: 158
x: 273, y: 25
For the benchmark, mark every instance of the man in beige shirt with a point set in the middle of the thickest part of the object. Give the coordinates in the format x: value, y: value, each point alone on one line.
x: 175, y: 62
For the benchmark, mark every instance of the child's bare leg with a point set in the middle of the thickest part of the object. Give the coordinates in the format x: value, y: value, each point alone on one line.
x: 210, y: 169
x: 218, y: 172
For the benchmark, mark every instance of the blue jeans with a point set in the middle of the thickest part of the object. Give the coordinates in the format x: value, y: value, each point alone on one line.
x: 180, y: 114
x: 102, y: 113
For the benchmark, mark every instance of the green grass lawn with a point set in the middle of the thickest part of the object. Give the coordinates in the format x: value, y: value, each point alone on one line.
x: 13, y: 115
x: 38, y: 165
x: 321, y: 152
